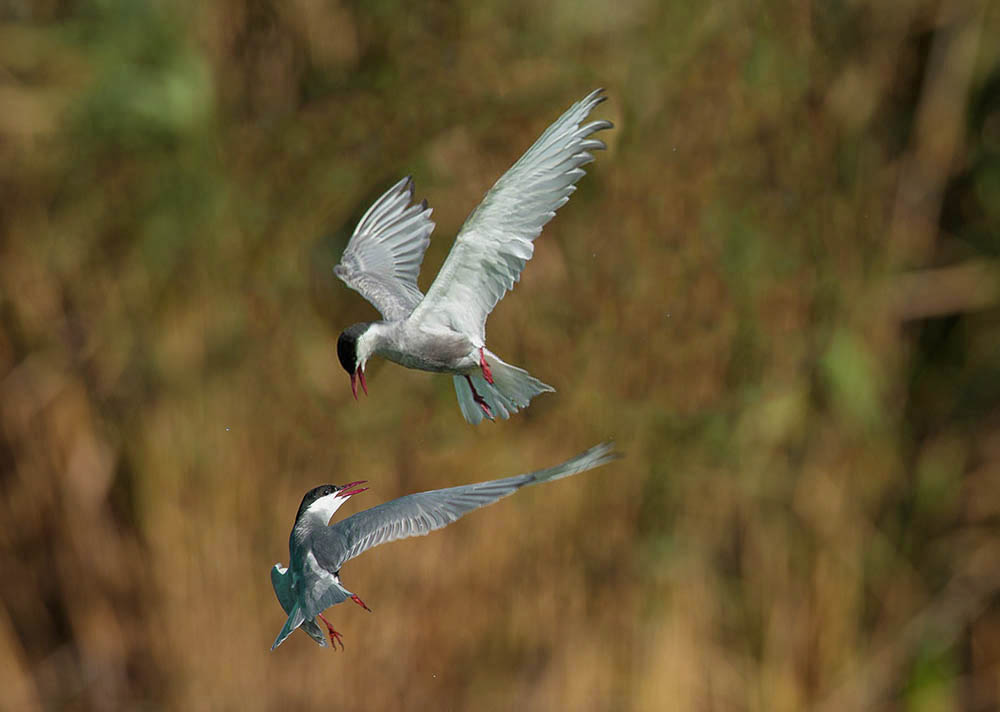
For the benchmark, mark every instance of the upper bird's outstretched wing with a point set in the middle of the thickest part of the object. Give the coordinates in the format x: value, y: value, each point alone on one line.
x: 382, y: 259
x: 496, y: 240
x: 422, y: 513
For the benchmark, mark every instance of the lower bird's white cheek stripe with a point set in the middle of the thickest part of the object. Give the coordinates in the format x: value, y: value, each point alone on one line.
x: 326, y: 507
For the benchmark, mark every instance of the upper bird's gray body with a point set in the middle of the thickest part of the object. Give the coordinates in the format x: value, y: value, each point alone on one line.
x: 311, y: 583
x: 413, y: 345
x: 445, y: 330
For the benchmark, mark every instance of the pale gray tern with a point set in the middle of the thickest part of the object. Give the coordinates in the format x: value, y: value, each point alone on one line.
x: 444, y: 331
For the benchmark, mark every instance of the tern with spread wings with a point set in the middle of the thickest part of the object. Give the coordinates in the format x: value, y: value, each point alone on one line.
x: 444, y: 331
x: 311, y: 582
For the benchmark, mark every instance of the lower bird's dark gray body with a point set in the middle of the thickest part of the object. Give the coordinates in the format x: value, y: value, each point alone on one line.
x: 282, y: 584
x: 318, y: 550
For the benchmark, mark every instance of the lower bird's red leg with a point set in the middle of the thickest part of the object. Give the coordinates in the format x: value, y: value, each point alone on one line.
x: 479, y: 399
x: 354, y: 597
x: 334, y: 635
x: 487, y: 374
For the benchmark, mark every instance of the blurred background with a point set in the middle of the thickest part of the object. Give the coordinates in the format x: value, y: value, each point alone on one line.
x: 778, y: 290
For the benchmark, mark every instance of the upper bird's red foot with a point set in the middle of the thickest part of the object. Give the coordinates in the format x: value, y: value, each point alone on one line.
x: 487, y: 373
x: 354, y: 597
x: 334, y: 635
x: 480, y: 400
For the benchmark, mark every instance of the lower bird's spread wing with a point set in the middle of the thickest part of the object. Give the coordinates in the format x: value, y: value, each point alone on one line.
x: 282, y: 584
x: 382, y: 259
x: 422, y: 513
x: 496, y: 240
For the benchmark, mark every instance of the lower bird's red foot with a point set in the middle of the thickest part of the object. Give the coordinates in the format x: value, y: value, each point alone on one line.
x: 334, y: 635
x: 480, y: 400
x: 487, y: 373
x: 354, y: 597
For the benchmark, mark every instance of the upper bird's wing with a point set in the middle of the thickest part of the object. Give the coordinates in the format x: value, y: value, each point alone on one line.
x: 422, y: 513
x: 496, y: 240
x: 382, y: 259
x: 282, y: 584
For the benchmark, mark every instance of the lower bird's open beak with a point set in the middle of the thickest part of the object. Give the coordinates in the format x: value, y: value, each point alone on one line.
x: 346, y: 490
x: 355, y: 377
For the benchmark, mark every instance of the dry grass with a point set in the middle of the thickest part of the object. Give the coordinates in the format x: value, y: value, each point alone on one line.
x: 777, y: 290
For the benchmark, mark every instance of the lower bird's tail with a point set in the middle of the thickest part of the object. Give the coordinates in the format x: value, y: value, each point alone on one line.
x: 281, y: 580
x: 512, y: 389
x: 295, y: 619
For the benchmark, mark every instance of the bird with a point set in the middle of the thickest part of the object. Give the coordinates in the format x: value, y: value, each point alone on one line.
x: 444, y: 331
x: 311, y: 582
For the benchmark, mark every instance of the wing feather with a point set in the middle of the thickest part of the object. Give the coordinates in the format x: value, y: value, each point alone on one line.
x: 421, y: 513
x: 321, y: 588
x: 382, y: 258
x: 495, y: 242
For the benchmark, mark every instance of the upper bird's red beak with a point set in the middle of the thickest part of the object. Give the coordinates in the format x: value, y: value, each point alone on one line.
x: 355, y: 377
x: 346, y: 490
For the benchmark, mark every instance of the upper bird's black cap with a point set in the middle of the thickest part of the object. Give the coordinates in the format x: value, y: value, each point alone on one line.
x: 347, y: 346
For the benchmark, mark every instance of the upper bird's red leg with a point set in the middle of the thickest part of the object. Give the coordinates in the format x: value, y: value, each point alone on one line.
x: 334, y: 635
x: 479, y: 399
x: 354, y: 597
x: 487, y: 374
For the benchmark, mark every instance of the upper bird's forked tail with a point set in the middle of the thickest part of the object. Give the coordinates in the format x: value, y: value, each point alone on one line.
x: 512, y: 389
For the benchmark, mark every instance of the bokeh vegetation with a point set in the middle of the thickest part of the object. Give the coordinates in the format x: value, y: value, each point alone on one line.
x: 778, y: 290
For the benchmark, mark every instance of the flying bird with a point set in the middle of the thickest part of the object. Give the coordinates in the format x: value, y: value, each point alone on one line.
x: 444, y: 331
x: 311, y: 582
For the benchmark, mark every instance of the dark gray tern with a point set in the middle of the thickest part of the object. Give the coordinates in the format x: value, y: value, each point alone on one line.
x: 317, y: 549
x: 444, y: 331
